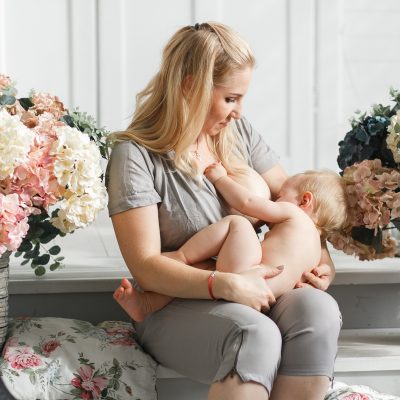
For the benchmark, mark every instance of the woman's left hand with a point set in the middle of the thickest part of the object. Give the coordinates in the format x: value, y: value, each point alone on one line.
x: 319, y: 277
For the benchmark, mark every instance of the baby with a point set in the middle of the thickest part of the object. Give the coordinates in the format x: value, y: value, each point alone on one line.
x: 309, y: 205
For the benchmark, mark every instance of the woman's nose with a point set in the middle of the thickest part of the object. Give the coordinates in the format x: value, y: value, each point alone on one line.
x: 236, y: 112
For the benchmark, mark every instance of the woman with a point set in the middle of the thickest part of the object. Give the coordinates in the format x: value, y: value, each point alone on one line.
x: 188, y: 117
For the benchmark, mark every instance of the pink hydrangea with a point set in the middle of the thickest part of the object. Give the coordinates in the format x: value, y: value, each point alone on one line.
x: 372, y: 199
x: 28, y: 161
x: 45, y: 102
x: 372, y: 203
x: 13, y: 222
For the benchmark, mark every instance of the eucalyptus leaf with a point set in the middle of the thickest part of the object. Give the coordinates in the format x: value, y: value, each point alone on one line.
x: 25, y: 246
x: 40, y: 270
x: 54, y: 266
x: 26, y: 103
x: 54, y: 250
x: 6, y: 100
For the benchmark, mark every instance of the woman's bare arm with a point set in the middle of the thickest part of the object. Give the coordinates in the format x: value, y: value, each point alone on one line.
x: 138, y: 236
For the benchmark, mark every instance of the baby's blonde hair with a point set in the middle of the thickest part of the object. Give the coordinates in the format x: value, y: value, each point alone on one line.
x: 328, y: 189
x: 168, y: 119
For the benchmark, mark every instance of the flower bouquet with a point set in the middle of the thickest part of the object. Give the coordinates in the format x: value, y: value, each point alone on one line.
x: 369, y: 159
x: 50, y: 174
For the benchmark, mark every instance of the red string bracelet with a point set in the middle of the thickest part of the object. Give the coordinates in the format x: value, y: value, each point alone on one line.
x: 210, y: 281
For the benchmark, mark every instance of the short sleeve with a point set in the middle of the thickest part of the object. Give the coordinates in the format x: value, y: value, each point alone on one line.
x: 130, y: 178
x: 261, y: 156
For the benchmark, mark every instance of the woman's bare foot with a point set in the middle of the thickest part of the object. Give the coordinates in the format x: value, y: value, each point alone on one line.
x: 132, y: 301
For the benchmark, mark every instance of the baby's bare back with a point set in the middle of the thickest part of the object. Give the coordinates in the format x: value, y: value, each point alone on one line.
x: 296, y: 244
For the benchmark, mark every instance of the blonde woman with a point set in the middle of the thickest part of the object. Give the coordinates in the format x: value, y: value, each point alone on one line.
x: 188, y: 117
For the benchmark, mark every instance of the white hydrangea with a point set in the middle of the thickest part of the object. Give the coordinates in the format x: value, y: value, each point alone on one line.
x: 77, y: 160
x: 15, y: 142
x: 393, y: 139
x: 78, y: 211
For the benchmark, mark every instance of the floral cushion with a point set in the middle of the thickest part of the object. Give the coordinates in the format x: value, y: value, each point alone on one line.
x: 341, y: 391
x: 58, y: 358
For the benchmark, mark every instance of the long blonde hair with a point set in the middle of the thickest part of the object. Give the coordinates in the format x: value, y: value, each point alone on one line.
x: 167, y: 118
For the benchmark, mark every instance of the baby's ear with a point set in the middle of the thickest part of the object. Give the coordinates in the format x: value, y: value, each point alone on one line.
x: 306, y: 200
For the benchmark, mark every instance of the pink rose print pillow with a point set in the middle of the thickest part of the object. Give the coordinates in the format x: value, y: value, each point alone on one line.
x: 58, y: 358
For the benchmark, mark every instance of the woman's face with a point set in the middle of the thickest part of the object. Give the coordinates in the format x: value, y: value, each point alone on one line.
x: 226, y: 101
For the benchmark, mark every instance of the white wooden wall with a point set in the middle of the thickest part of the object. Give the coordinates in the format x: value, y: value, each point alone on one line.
x: 318, y: 60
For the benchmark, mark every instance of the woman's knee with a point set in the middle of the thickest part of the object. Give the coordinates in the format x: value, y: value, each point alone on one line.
x: 309, y: 308
x: 258, y: 351
x: 310, y: 322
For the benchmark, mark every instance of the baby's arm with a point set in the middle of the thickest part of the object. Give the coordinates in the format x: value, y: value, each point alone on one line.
x: 244, y: 201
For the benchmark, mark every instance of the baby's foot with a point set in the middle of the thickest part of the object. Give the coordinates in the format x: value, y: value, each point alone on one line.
x: 131, y: 301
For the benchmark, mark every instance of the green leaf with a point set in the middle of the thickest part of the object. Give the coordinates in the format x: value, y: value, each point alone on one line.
x: 26, y: 245
x: 26, y: 102
x: 25, y: 261
x: 76, y: 392
x: 49, y: 237
x: 18, y: 253
x: 60, y: 258
x: 54, y: 250
x: 32, y: 378
x: 43, y: 259
x: 396, y: 223
x: 32, y: 253
x: 114, y: 384
x: 40, y: 270
x: 6, y: 100
x: 368, y: 237
x: 68, y: 120
x: 54, y: 266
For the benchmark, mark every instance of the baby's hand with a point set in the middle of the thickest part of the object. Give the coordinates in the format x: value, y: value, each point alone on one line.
x: 214, y: 172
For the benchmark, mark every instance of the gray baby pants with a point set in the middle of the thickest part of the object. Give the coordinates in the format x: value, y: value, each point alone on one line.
x: 206, y: 340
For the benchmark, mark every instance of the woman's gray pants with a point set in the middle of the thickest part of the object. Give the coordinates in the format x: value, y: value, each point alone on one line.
x: 206, y: 340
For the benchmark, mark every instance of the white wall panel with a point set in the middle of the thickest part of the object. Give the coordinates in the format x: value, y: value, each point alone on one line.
x: 328, y: 83
x: 356, y: 65
x: 37, y: 46
x: 84, y: 55
x: 131, y: 35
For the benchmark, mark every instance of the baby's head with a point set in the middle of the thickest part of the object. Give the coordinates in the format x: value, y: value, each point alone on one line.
x: 322, y: 195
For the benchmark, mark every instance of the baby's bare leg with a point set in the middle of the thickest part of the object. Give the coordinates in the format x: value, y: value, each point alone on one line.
x: 232, y: 239
x: 139, y: 304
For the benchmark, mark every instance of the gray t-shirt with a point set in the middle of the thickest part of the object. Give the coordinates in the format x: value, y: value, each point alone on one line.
x: 136, y: 177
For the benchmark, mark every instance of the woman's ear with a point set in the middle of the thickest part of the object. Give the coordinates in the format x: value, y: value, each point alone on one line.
x: 306, y: 200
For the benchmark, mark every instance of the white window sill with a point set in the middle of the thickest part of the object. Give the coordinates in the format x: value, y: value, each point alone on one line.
x: 94, y: 264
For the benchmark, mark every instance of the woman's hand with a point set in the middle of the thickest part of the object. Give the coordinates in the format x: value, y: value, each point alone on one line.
x: 319, y: 277
x: 250, y: 288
